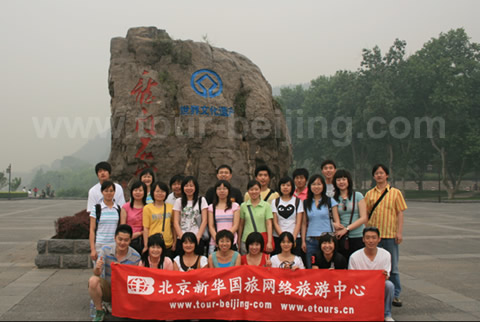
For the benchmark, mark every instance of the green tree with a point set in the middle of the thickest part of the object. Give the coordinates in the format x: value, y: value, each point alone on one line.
x: 3, y: 180
x: 16, y: 182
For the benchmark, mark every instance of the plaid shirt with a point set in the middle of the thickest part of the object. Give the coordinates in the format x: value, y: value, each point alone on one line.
x: 385, y: 216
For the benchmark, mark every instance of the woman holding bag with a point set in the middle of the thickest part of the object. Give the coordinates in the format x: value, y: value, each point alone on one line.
x: 353, y: 214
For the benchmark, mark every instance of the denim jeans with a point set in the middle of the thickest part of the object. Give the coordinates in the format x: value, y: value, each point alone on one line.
x: 389, y: 291
x: 312, y: 249
x: 390, y: 245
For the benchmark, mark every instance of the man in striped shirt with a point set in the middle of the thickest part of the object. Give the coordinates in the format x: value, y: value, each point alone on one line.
x: 388, y: 217
x: 99, y: 285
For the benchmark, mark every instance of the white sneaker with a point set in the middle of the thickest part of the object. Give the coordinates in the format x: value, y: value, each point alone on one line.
x: 389, y: 318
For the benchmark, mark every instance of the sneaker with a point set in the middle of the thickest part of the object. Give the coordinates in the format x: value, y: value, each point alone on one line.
x: 397, y: 302
x: 389, y: 318
x: 107, y: 307
x: 99, y: 315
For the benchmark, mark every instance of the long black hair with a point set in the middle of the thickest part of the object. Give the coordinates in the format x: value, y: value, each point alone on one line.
x: 191, y: 237
x: 155, y: 240
x: 137, y: 185
x: 195, y: 194
x: 342, y: 174
x: 229, y: 196
x: 309, y: 201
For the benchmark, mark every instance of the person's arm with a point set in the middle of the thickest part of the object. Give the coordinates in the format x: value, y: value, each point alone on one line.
x: 241, y: 226
x: 238, y: 261
x: 362, y: 216
x: 304, y: 232
x: 203, y: 225
x: 176, y: 223
x: 336, y: 219
x: 269, y: 248
x: 399, y: 235
x: 210, y: 261
x: 276, y: 226
x: 91, y: 238
x: 211, y: 224
x: 98, y: 267
x: 146, y: 232
x: 123, y: 216
x: 236, y: 221
x: 175, y: 266
x: 298, y: 225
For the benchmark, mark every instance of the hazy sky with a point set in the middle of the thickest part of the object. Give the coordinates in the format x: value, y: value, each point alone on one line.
x: 55, y: 54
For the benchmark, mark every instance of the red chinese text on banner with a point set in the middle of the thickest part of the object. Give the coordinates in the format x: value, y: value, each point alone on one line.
x: 247, y: 293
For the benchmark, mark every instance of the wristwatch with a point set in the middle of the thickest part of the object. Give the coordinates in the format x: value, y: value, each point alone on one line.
x: 347, y: 229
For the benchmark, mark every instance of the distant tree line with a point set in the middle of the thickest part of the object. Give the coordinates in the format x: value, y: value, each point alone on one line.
x: 417, y: 114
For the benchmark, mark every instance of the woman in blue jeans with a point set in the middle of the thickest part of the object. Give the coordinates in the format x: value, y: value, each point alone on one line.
x: 317, y: 217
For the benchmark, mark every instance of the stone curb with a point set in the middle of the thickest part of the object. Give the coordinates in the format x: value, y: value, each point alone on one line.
x: 63, y: 253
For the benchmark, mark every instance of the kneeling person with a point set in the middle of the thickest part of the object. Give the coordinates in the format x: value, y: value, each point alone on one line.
x: 373, y: 258
x: 99, y: 286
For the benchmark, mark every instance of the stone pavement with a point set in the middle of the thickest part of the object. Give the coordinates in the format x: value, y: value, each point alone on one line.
x: 439, y: 260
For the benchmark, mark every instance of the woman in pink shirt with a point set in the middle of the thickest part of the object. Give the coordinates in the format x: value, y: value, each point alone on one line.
x: 155, y: 257
x: 132, y: 214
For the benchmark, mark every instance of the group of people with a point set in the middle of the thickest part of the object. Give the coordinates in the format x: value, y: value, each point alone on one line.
x: 313, y: 222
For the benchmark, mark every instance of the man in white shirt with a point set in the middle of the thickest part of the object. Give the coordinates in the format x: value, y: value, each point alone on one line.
x: 373, y: 258
x: 328, y: 171
x: 103, y: 170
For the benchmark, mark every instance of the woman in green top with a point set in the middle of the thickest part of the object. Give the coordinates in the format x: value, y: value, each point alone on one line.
x: 352, y: 223
x: 261, y: 213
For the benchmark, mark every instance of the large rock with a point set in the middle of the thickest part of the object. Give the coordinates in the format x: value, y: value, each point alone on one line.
x: 187, y: 107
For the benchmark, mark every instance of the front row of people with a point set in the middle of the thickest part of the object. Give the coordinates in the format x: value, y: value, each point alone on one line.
x: 371, y: 257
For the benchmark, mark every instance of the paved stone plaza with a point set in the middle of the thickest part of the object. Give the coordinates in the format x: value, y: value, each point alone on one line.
x: 438, y: 261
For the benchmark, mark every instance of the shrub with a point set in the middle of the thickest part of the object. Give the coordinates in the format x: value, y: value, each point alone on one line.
x: 73, y: 227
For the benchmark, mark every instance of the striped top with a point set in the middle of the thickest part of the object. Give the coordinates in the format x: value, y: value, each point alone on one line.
x: 385, y: 215
x: 224, y: 219
x: 108, y: 254
x: 107, y: 225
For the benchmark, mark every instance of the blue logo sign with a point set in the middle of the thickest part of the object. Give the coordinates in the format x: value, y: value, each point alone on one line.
x: 206, y: 83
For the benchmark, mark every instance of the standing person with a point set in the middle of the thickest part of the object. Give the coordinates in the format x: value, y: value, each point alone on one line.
x: 352, y: 211
x: 385, y: 207
x: 224, y: 172
x: 255, y: 255
x: 99, y: 285
x: 176, y: 187
x: 223, y: 213
x: 300, y: 177
x: 263, y: 174
x: 287, y: 215
x: 158, y: 218
x: 374, y: 258
x: 148, y: 178
x: 255, y: 215
x: 35, y: 191
x: 286, y: 259
x: 188, y: 259
x: 104, y: 219
x: 225, y: 256
x: 132, y: 214
x: 328, y: 257
x: 321, y: 217
x: 155, y: 256
x: 190, y: 213
x: 103, y: 170
x: 328, y: 170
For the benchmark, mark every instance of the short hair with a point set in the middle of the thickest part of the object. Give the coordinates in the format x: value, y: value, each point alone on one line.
x: 124, y: 228
x: 255, y: 237
x: 380, y: 165
x: 342, y: 174
x: 175, y: 178
x: 300, y: 172
x: 107, y: 184
x: 252, y: 183
x: 263, y: 168
x: 188, y: 237
x: 136, y: 185
x: 160, y: 185
x: 374, y: 229
x: 288, y: 235
x: 328, y: 161
x: 224, y: 233
x: 104, y: 165
x: 285, y: 180
x: 147, y: 171
x: 225, y: 166
x: 327, y: 238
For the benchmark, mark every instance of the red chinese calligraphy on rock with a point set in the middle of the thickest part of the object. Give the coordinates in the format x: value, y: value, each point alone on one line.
x: 144, y: 95
x: 247, y: 293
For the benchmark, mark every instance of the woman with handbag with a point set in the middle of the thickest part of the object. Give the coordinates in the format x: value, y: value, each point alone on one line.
x: 321, y: 216
x: 256, y: 215
x: 352, y: 210
x: 223, y: 213
x: 190, y: 214
x: 132, y: 214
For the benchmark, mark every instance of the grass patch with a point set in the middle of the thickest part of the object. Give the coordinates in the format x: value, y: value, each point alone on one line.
x: 13, y: 194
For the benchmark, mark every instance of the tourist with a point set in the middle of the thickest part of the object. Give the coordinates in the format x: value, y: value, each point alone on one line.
x: 188, y: 259
x: 95, y: 196
x: 223, y: 213
x: 263, y: 175
x: 148, y: 178
x: 255, y: 215
x: 99, y: 285
x: 225, y: 256
x: 385, y: 207
x: 286, y: 259
x: 327, y: 257
x: 132, y: 214
x: 321, y: 216
x: 300, y: 177
x: 255, y: 255
x: 155, y: 256
x: 224, y: 172
x: 104, y: 219
x: 352, y: 211
x: 157, y: 218
x: 176, y: 188
x: 328, y: 170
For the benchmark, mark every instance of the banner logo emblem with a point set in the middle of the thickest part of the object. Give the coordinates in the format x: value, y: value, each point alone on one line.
x: 140, y: 285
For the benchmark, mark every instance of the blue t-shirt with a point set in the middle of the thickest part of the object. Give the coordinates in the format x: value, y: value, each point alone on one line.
x: 319, y: 219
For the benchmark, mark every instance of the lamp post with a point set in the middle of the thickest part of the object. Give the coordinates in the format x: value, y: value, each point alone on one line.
x: 9, y: 171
